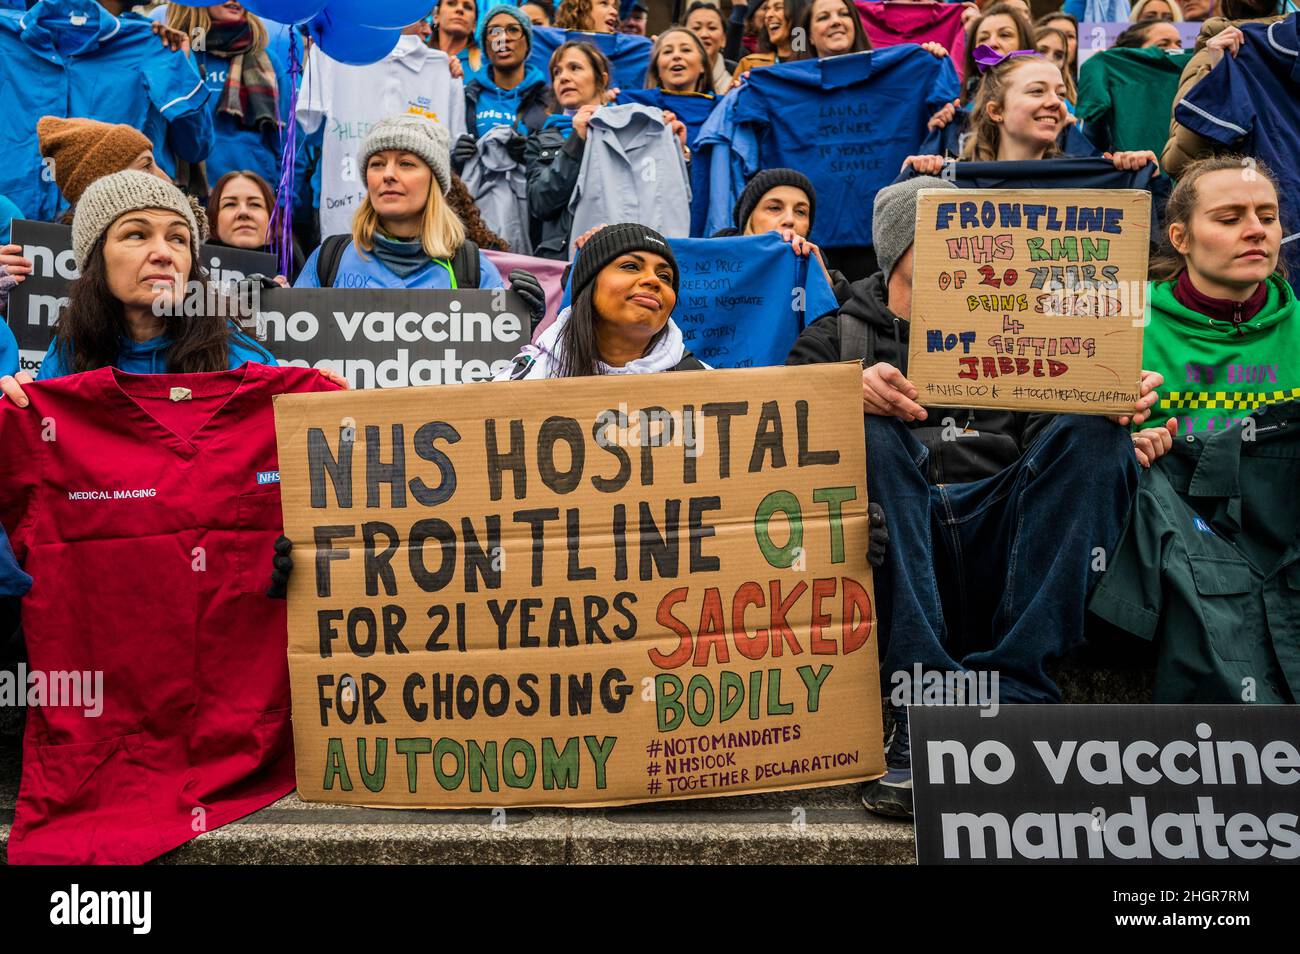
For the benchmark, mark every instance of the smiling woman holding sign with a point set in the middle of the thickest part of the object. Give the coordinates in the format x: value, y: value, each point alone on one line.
x: 1019, y: 111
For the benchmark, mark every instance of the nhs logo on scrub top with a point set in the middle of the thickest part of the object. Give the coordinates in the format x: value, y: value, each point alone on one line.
x: 268, y: 477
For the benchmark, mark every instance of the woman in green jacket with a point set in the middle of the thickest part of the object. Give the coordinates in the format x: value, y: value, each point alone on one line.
x: 1224, y: 324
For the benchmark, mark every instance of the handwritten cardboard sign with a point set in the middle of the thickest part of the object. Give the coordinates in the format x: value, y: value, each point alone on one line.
x: 1029, y: 300
x: 580, y: 592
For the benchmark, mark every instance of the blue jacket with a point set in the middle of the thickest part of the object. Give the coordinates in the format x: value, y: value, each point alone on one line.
x: 369, y: 272
x: 487, y: 105
x: 8, y: 212
x: 235, y: 145
x: 107, y: 68
x: 628, y: 55
x: 150, y: 357
x: 8, y: 350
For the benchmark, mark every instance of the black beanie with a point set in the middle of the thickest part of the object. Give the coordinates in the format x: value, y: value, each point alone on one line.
x: 611, y: 242
x: 767, y: 180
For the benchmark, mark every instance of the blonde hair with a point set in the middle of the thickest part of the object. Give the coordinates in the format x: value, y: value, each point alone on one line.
x: 1175, y: 11
x: 441, y: 230
x: 191, y: 19
x: 985, y: 134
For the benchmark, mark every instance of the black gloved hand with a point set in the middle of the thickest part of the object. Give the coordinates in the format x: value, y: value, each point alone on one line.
x: 526, y: 285
x: 464, y: 150
x: 878, y: 533
x: 515, y: 148
x: 282, y: 566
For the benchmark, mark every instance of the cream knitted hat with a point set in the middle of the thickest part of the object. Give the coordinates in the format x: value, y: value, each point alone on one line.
x: 108, y: 199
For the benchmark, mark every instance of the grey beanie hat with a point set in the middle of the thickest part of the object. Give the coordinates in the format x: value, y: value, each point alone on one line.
x: 108, y: 199
x: 413, y: 133
x: 893, y: 223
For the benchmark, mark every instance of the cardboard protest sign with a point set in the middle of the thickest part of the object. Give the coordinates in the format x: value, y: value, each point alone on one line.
x: 394, y: 337
x: 581, y: 592
x: 1029, y: 300
x: 1104, y: 784
x: 35, y: 304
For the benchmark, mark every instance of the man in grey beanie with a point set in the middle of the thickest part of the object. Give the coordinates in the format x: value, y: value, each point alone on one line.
x: 994, y: 516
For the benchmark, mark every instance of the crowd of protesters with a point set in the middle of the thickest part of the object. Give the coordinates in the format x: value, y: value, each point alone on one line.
x: 986, y: 546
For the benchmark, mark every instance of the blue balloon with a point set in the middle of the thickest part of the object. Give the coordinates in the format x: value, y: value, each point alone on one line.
x: 387, y: 14
x: 348, y: 43
x: 285, y: 11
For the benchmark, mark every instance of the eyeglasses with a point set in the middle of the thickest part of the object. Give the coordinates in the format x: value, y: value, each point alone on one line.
x: 513, y: 31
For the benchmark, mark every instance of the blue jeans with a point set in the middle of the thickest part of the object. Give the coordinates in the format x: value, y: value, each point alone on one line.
x: 994, y: 575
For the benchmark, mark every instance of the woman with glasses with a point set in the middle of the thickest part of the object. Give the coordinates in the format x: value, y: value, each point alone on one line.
x: 508, y: 91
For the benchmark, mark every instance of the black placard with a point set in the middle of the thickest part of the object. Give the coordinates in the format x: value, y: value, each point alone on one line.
x: 1154, y: 786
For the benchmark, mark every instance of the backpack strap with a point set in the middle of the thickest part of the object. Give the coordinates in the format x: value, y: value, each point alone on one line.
x: 855, y: 338
x: 465, y: 265
x: 327, y: 262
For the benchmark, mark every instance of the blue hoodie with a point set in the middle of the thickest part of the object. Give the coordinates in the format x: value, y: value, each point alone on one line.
x: 236, y: 146
x: 494, y: 106
x: 8, y: 212
x: 74, y: 58
x: 8, y: 351
x: 150, y: 357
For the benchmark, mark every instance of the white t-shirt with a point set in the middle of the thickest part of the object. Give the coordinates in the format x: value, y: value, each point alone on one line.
x: 351, y: 99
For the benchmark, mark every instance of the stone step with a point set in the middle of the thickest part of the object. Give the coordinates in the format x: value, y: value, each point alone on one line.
x: 809, y: 826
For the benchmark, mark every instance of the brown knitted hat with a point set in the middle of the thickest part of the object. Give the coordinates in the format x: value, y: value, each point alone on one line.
x: 84, y: 150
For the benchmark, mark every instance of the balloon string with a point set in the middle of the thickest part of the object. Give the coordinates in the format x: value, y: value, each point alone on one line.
x: 282, y: 221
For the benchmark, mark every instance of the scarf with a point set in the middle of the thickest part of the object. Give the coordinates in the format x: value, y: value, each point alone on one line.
x: 561, y: 121
x: 541, y: 360
x: 251, y: 94
x: 403, y: 257
x: 721, y: 79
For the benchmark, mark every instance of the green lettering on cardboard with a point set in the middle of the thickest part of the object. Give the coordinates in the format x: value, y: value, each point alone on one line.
x: 450, y: 781
x: 336, y: 767
x: 561, y: 769
x: 411, y: 748
x: 483, y: 762
x: 516, y: 779
x: 775, y: 706
x: 833, y: 497
x: 814, y: 683
x: 600, y: 751
x: 373, y: 780
x: 667, y: 702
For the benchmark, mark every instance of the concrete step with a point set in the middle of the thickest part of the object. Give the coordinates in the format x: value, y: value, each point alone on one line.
x: 811, y: 826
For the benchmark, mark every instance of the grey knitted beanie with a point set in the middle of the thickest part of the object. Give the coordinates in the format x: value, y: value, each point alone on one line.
x: 106, y: 200
x: 893, y: 221
x: 414, y: 133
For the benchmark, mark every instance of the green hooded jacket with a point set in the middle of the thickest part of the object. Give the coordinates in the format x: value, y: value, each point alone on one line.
x: 1216, y: 373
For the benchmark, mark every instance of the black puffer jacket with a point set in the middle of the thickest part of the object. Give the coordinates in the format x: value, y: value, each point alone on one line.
x: 553, y: 164
x: 993, y: 439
